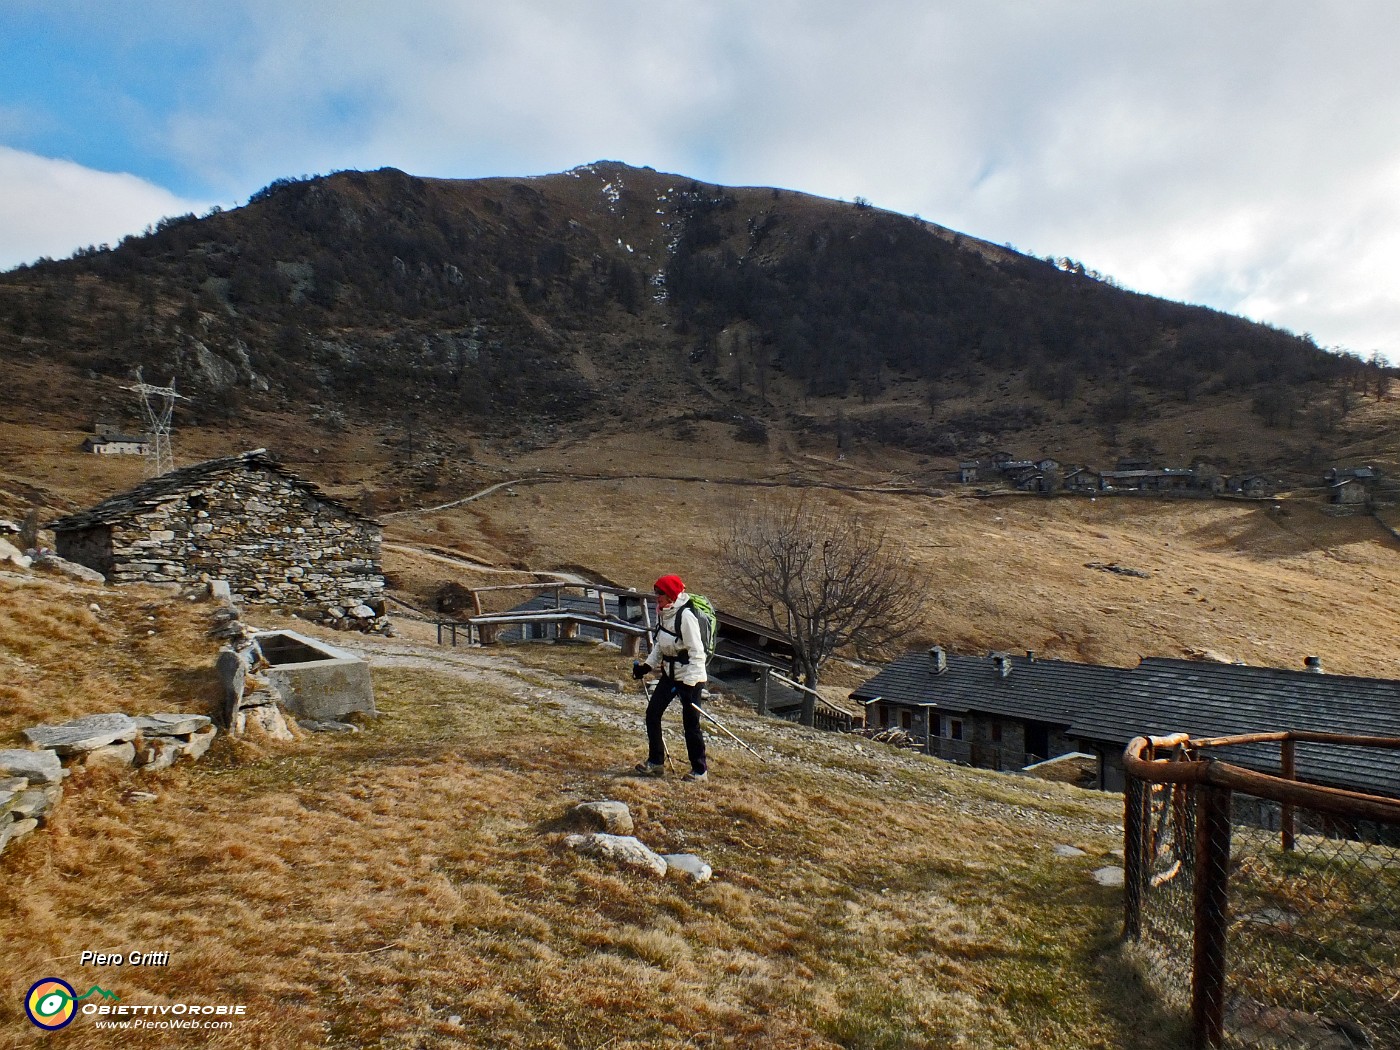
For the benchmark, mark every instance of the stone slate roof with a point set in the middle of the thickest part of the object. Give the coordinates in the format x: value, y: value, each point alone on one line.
x: 155, y: 491
x: 1205, y: 699
x: 1048, y: 691
x: 1112, y: 705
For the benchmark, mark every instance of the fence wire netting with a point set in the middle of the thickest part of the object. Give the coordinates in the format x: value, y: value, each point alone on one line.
x: 1309, y: 921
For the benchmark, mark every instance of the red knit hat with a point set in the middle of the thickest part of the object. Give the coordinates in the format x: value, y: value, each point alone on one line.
x: 669, y: 586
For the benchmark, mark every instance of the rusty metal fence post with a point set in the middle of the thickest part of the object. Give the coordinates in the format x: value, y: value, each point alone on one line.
x: 1136, y: 823
x: 1212, y: 915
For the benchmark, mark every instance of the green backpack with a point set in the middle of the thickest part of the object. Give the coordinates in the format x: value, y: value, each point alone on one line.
x: 705, y: 616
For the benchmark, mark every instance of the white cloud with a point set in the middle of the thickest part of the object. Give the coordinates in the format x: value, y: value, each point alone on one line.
x: 53, y: 207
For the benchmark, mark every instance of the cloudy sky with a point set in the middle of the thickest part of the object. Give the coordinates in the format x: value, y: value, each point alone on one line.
x: 1244, y: 154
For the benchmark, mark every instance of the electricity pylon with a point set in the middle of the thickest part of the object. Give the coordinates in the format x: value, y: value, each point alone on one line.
x: 157, y: 406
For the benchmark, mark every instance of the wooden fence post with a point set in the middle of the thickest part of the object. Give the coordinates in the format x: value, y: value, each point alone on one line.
x: 1289, y: 771
x: 763, y: 692
x: 1212, y: 905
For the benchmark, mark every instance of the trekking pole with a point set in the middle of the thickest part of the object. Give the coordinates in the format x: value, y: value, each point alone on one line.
x: 727, y: 731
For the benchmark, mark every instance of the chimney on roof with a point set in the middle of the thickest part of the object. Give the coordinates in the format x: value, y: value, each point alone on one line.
x: 1002, y: 663
x: 939, y: 659
x: 1030, y: 655
x: 1313, y: 664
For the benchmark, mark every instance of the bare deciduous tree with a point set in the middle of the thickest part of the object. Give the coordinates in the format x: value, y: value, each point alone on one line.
x: 825, y: 580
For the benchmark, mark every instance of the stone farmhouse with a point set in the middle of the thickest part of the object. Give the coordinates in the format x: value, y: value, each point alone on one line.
x: 1350, y: 486
x: 1006, y: 712
x: 245, y: 519
x: 113, y: 444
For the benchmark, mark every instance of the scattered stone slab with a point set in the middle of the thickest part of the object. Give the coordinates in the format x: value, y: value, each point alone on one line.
x: 38, y: 767
x: 83, y: 734
x: 198, y: 743
x: 1257, y: 1024
x: 588, y: 681
x: 170, y: 724
x: 267, y: 717
x: 312, y: 725
x: 11, y: 788
x: 625, y: 850
x: 139, y: 798
x: 1064, y: 850
x: 63, y: 567
x: 12, y: 554
x: 111, y: 756
x: 159, y: 753
x: 687, y: 866
x: 21, y: 828
x: 1112, y: 876
x: 37, y: 803
x: 1277, y: 917
x: 1120, y: 570
x: 608, y: 816
x: 7, y: 829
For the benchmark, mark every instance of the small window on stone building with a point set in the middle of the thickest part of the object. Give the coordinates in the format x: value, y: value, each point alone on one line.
x: 198, y: 501
x: 996, y: 732
x: 955, y: 728
x: 906, y: 720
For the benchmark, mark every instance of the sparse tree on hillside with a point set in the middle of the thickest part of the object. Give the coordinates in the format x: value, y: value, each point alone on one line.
x: 824, y: 580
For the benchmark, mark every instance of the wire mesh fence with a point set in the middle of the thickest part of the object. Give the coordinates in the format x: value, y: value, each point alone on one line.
x: 1267, y: 908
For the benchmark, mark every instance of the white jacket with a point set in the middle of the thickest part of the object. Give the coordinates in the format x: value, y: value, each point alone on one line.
x: 667, y: 645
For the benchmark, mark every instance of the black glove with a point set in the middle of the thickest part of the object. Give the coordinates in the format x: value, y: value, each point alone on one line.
x: 640, y: 670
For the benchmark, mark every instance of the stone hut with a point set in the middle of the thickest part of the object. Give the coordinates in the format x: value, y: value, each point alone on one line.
x: 276, y: 538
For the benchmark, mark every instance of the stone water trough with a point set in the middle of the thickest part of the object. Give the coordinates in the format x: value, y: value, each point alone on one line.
x: 317, y: 681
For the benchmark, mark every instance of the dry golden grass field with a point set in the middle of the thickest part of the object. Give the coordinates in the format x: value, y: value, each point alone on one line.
x: 405, y: 886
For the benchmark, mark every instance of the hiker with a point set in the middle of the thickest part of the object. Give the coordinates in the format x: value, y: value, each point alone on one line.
x: 678, y: 652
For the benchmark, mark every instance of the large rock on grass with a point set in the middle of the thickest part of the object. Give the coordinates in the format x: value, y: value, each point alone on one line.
x: 623, y: 850
x: 612, y: 817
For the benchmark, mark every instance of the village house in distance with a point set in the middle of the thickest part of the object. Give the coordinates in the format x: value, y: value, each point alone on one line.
x: 274, y: 537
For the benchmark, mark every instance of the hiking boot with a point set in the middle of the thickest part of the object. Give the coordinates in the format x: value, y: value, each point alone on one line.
x: 696, y: 778
x: 650, y: 769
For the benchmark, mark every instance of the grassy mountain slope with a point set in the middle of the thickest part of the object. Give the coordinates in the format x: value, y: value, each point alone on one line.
x: 531, y: 309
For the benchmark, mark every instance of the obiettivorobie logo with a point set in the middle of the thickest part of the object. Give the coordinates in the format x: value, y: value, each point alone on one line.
x: 52, y: 1003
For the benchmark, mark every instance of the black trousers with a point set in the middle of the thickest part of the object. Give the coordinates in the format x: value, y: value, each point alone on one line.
x: 667, y: 690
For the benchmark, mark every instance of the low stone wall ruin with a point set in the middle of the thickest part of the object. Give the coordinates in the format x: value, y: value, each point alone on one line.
x: 31, y: 781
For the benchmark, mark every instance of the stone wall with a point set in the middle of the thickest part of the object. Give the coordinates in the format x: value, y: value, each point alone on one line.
x: 273, y: 542
x: 31, y: 781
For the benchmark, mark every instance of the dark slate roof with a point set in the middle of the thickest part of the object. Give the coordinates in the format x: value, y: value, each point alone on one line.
x: 154, y: 491
x: 1049, y: 691
x: 1162, y: 696
x: 1112, y: 705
